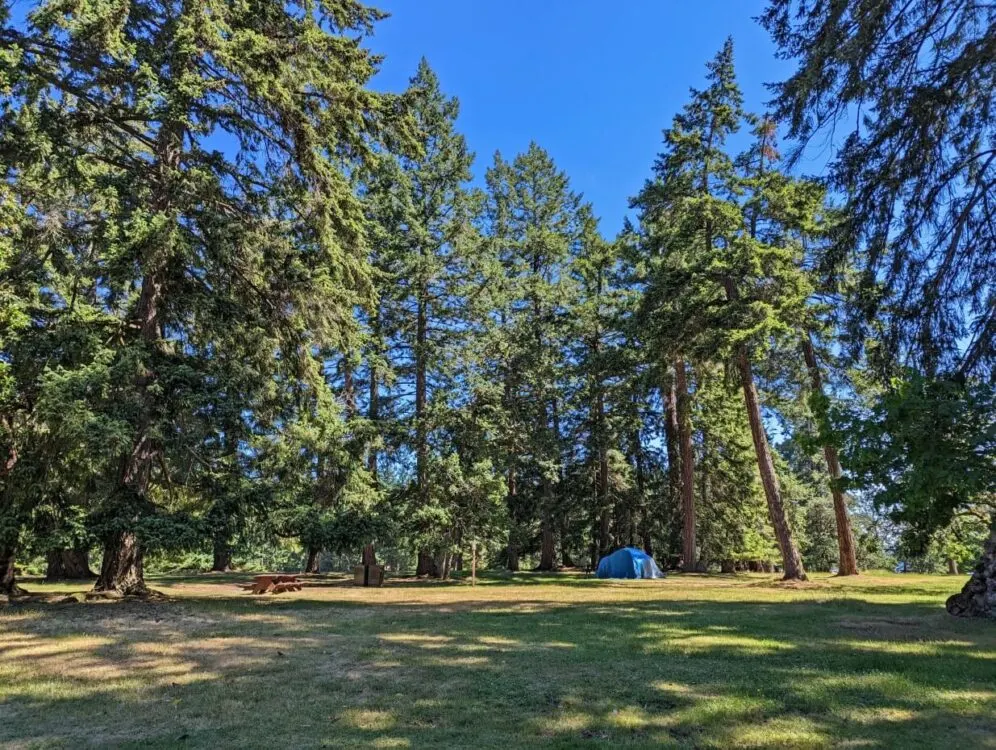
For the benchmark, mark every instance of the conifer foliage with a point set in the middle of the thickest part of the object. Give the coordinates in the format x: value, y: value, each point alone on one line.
x: 252, y: 309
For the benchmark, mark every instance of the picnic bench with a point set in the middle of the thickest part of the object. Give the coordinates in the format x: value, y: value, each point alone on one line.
x: 274, y: 584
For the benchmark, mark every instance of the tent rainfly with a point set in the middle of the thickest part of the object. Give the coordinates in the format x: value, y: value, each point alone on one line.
x: 628, y: 562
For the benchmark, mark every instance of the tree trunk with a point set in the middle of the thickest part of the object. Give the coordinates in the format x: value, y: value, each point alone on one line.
x: 978, y: 597
x: 8, y: 580
x: 512, y: 556
x: 121, y: 567
x: 443, y: 564
x: 673, y: 465
x: 348, y: 389
x: 702, y: 564
x: 791, y: 560
x: 222, y: 562
x: 313, y: 563
x: 689, y: 556
x: 369, y: 555
x: 421, y: 400
x: 641, y: 491
x: 68, y: 564
x: 952, y: 566
x: 727, y: 566
x: 512, y: 551
x: 426, y: 565
x: 373, y: 408
x: 548, y: 551
x: 847, y: 556
x: 604, y: 539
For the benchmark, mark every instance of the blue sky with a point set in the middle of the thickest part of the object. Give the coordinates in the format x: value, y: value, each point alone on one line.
x: 593, y: 82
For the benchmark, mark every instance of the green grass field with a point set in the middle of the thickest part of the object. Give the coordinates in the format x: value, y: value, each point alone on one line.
x: 530, y: 661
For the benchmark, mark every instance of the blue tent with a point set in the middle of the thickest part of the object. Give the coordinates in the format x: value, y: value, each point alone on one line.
x: 628, y: 562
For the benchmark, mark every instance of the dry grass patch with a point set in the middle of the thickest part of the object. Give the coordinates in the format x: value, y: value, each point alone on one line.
x: 522, y: 661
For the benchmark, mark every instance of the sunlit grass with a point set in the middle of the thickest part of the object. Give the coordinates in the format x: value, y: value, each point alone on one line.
x: 524, y: 661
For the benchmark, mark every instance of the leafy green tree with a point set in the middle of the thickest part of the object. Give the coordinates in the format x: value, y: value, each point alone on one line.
x: 924, y: 450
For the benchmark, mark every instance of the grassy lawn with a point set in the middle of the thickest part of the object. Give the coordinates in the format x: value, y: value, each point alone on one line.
x: 529, y: 661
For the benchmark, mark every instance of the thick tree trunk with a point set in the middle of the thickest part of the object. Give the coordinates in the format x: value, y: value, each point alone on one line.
x: 369, y: 555
x: 121, y: 567
x: 8, y: 579
x: 604, y: 539
x: 952, y: 566
x: 68, y: 564
x: 426, y: 565
x: 512, y: 556
x: 847, y: 555
x: 727, y: 566
x: 548, y: 550
x: 222, y: 562
x: 791, y: 560
x: 689, y: 556
x: 978, y: 597
x: 313, y: 563
x: 444, y: 563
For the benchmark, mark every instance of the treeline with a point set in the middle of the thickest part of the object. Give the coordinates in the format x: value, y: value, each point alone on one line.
x: 245, y: 298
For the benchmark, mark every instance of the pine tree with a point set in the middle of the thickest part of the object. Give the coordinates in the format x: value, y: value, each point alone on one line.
x: 426, y: 210
x: 534, y: 224
x: 194, y: 247
x: 917, y: 170
x: 917, y: 167
x: 690, y: 176
x: 726, y: 281
x: 597, y: 402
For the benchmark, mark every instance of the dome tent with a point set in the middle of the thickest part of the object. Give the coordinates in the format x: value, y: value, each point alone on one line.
x: 628, y: 562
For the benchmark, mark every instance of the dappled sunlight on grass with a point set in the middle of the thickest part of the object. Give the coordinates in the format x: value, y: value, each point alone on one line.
x: 691, y: 661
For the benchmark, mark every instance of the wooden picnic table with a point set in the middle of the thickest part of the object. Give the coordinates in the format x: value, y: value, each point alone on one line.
x: 271, y: 583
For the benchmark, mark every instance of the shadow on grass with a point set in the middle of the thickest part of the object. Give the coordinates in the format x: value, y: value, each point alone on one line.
x: 494, y: 672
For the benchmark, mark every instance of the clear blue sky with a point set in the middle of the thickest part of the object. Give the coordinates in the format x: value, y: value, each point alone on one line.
x: 592, y: 81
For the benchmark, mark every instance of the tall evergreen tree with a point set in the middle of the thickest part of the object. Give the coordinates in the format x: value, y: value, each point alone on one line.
x: 726, y: 283
x: 689, y: 175
x: 917, y: 166
x: 534, y: 222
x: 428, y: 208
x: 257, y: 246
